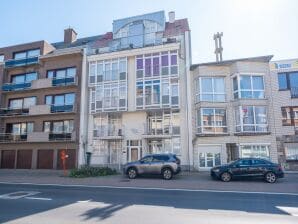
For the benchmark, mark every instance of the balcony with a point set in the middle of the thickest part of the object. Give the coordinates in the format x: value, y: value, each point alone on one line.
x: 10, y: 137
x: 109, y: 132
x: 61, y: 108
x: 61, y: 136
x: 16, y: 86
x: 294, y: 92
x: 64, y: 81
x: 159, y: 132
x: 6, y: 112
x: 21, y: 62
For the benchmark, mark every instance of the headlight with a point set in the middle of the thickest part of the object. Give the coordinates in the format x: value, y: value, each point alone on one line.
x: 215, y: 170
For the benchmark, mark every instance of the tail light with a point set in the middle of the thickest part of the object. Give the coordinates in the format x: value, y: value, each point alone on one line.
x: 177, y: 161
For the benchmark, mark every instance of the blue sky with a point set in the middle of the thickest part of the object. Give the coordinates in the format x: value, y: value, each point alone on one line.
x: 250, y: 27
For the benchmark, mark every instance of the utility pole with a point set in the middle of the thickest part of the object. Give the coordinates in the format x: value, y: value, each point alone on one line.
x: 218, y: 46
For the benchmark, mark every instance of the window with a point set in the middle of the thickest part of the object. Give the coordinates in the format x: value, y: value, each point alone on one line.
x: 169, y: 145
x: 282, y: 81
x: 256, y: 151
x: 259, y: 162
x: 291, y: 153
x: 287, y: 80
x: 22, y: 103
x: 26, y: 54
x: 24, y: 78
x: 212, y: 121
x: 60, y: 100
x: 1, y: 58
x: 21, y: 128
x: 289, y: 116
x: 62, y: 73
x: 66, y: 126
x: 248, y: 87
x: 209, y: 159
x: 211, y: 89
x: 163, y: 123
x: 251, y: 119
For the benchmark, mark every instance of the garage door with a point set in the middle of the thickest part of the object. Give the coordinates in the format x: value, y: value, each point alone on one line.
x: 24, y: 159
x: 45, y: 159
x: 8, y: 159
x: 70, y: 161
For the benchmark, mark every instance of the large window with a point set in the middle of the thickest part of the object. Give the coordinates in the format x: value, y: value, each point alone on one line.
x: 289, y: 116
x: 287, y: 80
x: 60, y: 100
x: 291, y: 153
x: 212, y: 121
x: 108, y: 71
x: 248, y: 87
x: 171, y: 145
x: 22, y: 103
x: 107, y: 152
x: 251, y: 119
x: 26, y: 54
x: 163, y: 123
x: 62, y: 73
x: 66, y: 126
x: 157, y: 64
x: 24, y: 78
x: 209, y: 159
x: 211, y: 89
x: 20, y: 128
x: 255, y: 151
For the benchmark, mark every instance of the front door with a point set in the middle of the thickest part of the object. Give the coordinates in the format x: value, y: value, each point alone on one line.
x: 134, y: 154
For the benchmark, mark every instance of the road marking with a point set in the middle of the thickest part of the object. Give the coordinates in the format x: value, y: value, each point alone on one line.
x: 18, y: 194
x: 154, y: 188
x: 293, y: 211
x: 84, y: 201
x: 34, y: 198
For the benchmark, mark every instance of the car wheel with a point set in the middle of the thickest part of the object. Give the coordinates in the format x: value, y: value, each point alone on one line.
x: 270, y: 177
x: 132, y: 173
x: 225, y: 177
x: 167, y: 173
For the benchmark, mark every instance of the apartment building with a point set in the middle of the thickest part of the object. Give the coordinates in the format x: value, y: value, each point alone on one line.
x: 40, y: 103
x: 284, y: 76
x: 232, y: 110
x: 137, y: 91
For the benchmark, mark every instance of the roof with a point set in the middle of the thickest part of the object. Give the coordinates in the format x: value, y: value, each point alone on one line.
x: 178, y: 27
x: 266, y: 58
x: 77, y: 43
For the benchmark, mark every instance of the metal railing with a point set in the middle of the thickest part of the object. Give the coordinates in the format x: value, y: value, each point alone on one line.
x: 60, y: 136
x: 13, y: 111
x: 166, y: 130
x: 21, y: 62
x: 10, y: 137
x: 108, y: 130
x: 62, y: 108
x: 16, y: 86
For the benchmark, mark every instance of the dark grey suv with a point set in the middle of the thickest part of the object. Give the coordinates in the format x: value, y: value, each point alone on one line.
x: 161, y: 164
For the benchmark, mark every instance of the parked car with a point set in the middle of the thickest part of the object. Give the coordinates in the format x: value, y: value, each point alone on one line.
x: 166, y: 165
x: 248, y: 167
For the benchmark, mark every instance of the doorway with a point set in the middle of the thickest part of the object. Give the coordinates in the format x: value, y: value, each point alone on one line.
x: 134, y: 149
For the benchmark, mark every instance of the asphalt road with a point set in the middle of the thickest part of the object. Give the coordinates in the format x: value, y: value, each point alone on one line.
x: 54, y: 204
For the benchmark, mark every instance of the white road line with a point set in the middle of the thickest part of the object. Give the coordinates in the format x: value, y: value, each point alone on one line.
x: 34, y: 198
x: 293, y: 211
x: 18, y: 194
x: 155, y: 188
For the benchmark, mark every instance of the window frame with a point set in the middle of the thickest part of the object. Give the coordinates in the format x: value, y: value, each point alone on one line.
x: 200, y: 93
x: 200, y: 125
x: 26, y: 52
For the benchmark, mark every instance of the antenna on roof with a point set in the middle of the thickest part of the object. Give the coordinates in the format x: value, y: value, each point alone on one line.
x: 218, y: 46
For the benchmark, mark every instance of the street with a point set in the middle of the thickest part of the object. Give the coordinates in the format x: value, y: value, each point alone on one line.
x: 60, y: 204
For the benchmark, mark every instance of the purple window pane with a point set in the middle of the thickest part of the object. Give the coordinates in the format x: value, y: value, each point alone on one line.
x: 164, y: 60
x: 140, y: 63
x: 173, y: 59
x: 155, y: 66
x: 148, y: 67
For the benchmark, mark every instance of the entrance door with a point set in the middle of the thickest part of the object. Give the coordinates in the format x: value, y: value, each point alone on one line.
x: 134, y: 154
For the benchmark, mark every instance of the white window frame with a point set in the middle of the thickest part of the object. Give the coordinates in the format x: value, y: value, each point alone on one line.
x: 252, y: 90
x: 213, y: 93
x: 201, y: 126
x: 267, y: 145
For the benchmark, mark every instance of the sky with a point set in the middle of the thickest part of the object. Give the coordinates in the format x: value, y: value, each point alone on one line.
x: 250, y: 27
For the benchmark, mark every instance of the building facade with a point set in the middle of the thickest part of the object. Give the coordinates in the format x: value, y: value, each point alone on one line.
x: 40, y: 104
x: 138, y: 78
x: 284, y: 76
x: 232, y: 111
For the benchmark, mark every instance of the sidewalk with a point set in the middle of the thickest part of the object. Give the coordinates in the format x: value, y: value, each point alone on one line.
x: 186, y: 180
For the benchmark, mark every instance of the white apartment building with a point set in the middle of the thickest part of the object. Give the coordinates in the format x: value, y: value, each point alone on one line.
x: 137, y: 91
x: 284, y: 76
x: 232, y: 111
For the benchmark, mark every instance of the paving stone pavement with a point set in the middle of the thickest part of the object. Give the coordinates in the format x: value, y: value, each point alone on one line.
x: 185, y: 180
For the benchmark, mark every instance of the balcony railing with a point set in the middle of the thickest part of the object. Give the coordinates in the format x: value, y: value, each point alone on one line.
x: 21, y: 62
x: 64, y: 81
x: 10, y: 137
x: 108, y: 130
x: 61, y: 108
x: 16, y: 86
x: 294, y: 92
x: 13, y: 111
x: 166, y: 130
x: 61, y: 136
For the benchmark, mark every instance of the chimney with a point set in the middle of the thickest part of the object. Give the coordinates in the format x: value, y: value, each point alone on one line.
x: 171, y: 17
x: 69, y: 36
